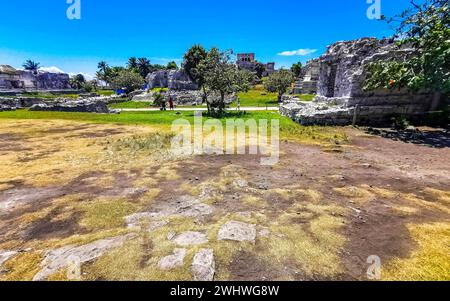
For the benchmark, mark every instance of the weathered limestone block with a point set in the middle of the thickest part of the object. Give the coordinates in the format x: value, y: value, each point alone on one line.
x: 88, y: 106
x: 203, y: 266
x: 190, y: 238
x: 237, y: 231
x: 60, y: 258
x: 341, y: 98
x: 173, y: 261
x: 172, y: 79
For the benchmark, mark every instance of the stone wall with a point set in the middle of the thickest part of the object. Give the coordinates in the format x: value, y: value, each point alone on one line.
x: 309, y: 78
x: 172, y: 79
x: 19, y: 79
x: 341, y: 99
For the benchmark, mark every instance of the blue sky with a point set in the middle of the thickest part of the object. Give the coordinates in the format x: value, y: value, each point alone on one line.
x: 114, y: 30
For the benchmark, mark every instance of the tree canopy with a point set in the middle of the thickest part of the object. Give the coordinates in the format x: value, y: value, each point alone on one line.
x: 426, y: 28
x: 279, y: 82
x: 223, y: 77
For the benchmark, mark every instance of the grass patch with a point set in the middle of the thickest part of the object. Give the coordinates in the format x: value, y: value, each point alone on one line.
x: 106, y: 214
x: 289, y: 130
x: 132, y: 105
x: 22, y: 267
x: 431, y: 260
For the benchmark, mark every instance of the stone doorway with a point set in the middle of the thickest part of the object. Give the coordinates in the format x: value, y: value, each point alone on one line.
x: 332, y: 72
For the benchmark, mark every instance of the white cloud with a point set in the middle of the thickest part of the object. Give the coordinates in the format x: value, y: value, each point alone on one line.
x: 299, y: 52
x: 52, y: 69
x: 87, y: 76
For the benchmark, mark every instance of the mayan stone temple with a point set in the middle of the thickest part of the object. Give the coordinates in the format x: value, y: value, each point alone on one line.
x: 341, y: 99
x: 11, y: 78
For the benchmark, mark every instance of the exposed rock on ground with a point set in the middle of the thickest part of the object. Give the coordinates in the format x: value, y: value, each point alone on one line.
x: 5, y: 256
x: 173, y: 261
x: 190, y: 239
x: 84, y: 106
x: 203, y: 265
x: 60, y: 258
x: 237, y: 231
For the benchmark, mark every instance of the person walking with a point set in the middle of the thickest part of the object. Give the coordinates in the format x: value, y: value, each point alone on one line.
x: 171, y: 103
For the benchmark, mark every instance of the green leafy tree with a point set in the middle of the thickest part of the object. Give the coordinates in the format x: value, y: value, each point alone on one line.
x: 279, y: 82
x: 260, y: 68
x: 157, y: 67
x: 128, y: 80
x: 77, y: 81
x: 172, y: 66
x: 426, y: 28
x: 144, y: 66
x: 133, y: 64
x: 31, y: 65
x: 297, y: 69
x: 191, y: 64
x: 103, y: 72
x: 223, y: 77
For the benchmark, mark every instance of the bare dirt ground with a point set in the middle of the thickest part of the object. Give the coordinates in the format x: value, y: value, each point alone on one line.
x: 318, y: 214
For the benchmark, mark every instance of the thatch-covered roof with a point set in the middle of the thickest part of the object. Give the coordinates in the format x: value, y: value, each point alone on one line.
x: 7, y: 69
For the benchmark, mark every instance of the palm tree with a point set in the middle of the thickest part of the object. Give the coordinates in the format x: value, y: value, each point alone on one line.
x: 144, y: 66
x: 31, y: 65
x: 103, y: 66
x: 132, y: 63
x: 103, y: 73
x: 77, y: 81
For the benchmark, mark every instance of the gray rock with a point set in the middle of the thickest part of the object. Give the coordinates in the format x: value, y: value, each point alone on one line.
x: 5, y: 256
x: 264, y: 232
x: 240, y: 183
x: 237, y: 231
x: 190, y: 239
x: 203, y: 265
x: 58, y: 259
x: 173, y: 261
x: 84, y: 106
x: 341, y: 99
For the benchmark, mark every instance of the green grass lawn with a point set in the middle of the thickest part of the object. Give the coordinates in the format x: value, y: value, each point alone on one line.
x: 257, y: 98
x: 131, y: 105
x: 49, y: 95
x: 105, y: 92
x: 288, y: 128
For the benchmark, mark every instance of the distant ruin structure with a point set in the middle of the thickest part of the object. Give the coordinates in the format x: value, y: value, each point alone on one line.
x: 309, y: 78
x: 172, y: 79
x: 248, y: 61
x: 341, y: 98
x: 11, y: 79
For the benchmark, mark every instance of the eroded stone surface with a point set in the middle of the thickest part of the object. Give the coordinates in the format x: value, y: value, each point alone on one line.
x: 203, y: 265
x: 58, y: 259
x: 190, y: 239
x: 237, y: 231
x: 173, y: 261
x: 5, y: 256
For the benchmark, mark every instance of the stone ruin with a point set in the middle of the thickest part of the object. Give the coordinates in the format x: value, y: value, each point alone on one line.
x: 308, y: 79
x: 173, y: 79
x: 180, y: 86
x: 248, y: 61
x: 84, y: 105
x: 341, y: 99
x: 12, y: 79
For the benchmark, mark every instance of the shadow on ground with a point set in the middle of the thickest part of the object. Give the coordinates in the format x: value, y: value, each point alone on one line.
x: 437, y: 138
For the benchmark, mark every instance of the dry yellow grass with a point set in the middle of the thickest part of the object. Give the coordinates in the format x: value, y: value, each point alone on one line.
x: 359, y: 194
x: 254, y: 201
x: 431, y: 259
x: 22, y: 267
x: 106, y: 213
